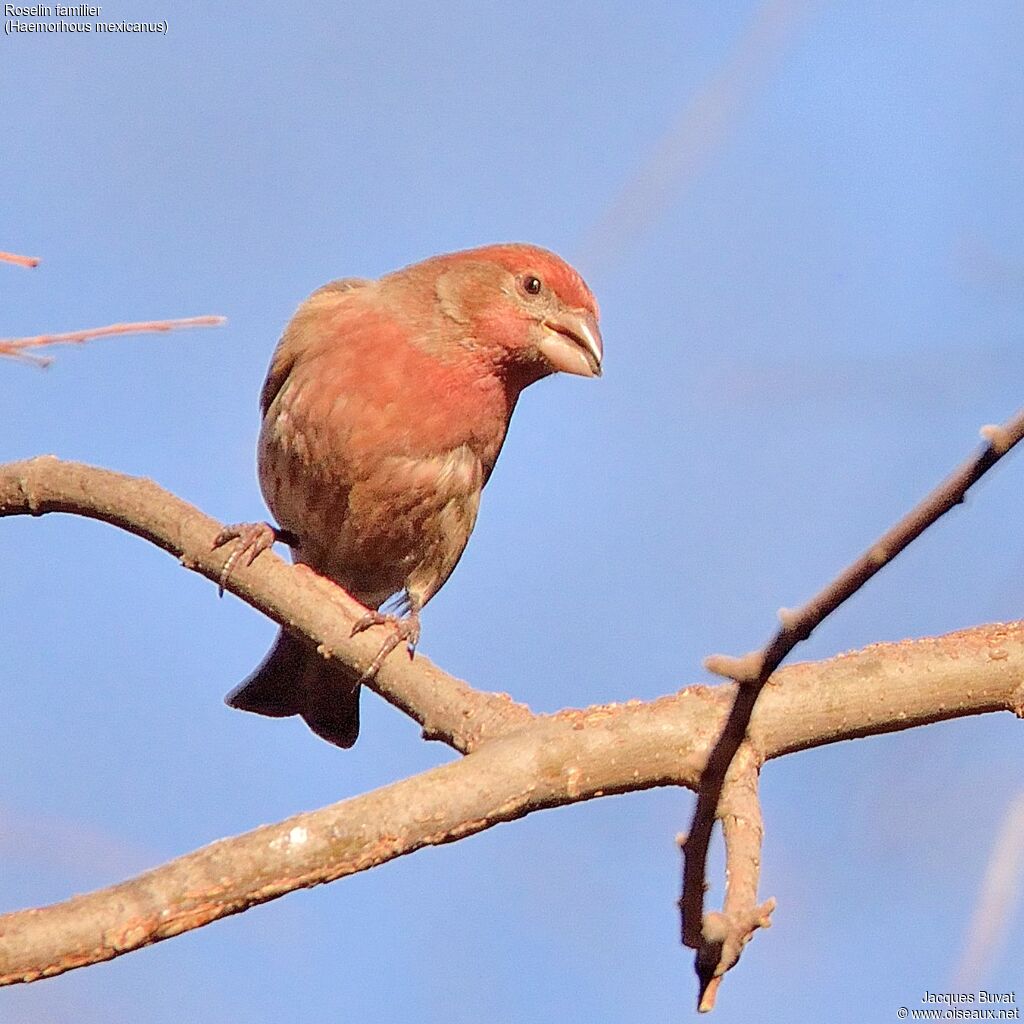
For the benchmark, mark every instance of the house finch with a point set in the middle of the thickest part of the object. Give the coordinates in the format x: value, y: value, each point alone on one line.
x: 384, y: 410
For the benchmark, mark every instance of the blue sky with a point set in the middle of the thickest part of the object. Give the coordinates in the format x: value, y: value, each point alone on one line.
x: 803, y: 333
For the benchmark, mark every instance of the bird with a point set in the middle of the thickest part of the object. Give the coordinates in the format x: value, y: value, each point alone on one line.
x: 384, y: 410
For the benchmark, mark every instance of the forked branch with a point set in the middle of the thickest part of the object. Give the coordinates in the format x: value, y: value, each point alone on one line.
x: 551, y: 761
x: 752, y: 671
x: 516, y: 762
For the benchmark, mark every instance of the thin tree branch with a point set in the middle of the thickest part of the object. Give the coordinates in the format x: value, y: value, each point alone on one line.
x: 553, y: 760
x: 753, y: 670
x: 447, y: 708
x: 17, y: 348
x: 723, y: 934
x: 20, y: 261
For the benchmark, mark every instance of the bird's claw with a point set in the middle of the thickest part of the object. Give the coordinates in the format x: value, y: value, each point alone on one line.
x: 405, y: 629
x: 254, y: 539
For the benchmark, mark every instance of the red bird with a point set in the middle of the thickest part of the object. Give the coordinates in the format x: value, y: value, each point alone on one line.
x: 384, y: 410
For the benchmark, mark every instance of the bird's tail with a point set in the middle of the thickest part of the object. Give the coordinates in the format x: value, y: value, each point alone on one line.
x: 293, y: 679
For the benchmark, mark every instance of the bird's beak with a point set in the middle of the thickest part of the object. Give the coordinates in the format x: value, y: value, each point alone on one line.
x: 571, y: 342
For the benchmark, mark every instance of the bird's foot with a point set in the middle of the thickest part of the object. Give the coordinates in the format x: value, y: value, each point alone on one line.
x: 254, y: 539
x: 405, y: 629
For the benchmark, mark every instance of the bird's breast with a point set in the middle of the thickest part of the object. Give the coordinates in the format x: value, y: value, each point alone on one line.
x: 377, y: 465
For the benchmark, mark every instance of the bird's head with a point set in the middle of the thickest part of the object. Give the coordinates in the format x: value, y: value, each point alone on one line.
x: 523, y: 306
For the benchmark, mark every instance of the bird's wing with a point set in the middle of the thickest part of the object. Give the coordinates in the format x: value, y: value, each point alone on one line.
x: 291, y: 346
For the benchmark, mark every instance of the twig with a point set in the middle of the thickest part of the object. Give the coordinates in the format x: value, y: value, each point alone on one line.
x: 752, y: 670
x: 20, y: 261
x: 16, y: 347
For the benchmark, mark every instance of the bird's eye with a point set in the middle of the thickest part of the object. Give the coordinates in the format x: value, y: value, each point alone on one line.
x: 531, y: 284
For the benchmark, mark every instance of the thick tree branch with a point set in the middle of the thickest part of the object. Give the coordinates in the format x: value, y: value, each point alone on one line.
x: 447, y: 708
x: 553, y: 760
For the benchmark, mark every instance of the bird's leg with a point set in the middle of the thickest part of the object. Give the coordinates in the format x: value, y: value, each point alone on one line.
x: 255, y: 538
x: 403, y: 628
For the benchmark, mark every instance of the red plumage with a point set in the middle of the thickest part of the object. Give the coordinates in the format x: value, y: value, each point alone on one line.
x: 384, y: 410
